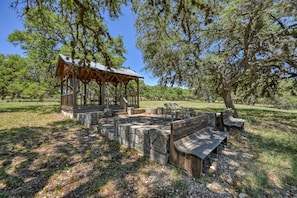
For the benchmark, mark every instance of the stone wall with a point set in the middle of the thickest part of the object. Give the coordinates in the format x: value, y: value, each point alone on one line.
x: 213, y: 119
x: 91, y: 118
x: 67, y: 113
x: 149, y: 140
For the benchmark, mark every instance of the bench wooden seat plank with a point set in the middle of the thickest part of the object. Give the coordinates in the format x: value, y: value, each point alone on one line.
x: 191, y: 141
x: 200, y: 143
x: 233, y: 122
x: 229, y: 121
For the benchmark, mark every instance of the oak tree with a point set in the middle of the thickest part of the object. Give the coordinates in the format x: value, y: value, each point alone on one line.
x: 219, y: 46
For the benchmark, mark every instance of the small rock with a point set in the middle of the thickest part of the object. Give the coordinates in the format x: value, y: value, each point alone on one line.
x: 212, y: 169
x: 242, y: 195
x: 94, y: 135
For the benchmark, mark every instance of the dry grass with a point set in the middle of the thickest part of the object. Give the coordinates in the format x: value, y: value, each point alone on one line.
x: 43, y: 154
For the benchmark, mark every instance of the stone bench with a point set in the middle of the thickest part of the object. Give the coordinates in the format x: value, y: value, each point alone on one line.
x: 228, y: 121
x: 192, y: 141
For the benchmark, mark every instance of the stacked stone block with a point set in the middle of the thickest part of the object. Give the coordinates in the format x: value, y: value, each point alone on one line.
x: 91, y: 118
x: 147, y: 140
x: 213, y: 119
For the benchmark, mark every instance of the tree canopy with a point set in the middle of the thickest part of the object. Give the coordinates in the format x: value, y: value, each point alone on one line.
x: 77, y: 25
x: 75, y: 28
x: 222, y: 46
x: 228, y: 48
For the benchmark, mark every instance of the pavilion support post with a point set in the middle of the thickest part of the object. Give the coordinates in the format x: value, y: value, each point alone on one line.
x: 67, y: 86
x: 62, y: 83
x: 100, y: 93
x: 121, y: 95
x: 115, y: 93
x: 126, y: 86
x: 103, y: 90
x: 137, y: 94
x: 85, y: 94
x: 74, y: 82
x: 126, y: 103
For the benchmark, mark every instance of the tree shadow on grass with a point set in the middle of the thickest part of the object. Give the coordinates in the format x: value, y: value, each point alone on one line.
x: 63, y: 160
x: 17, y: 154
x: 272, y: 171
x: 28, y: 158
x: 59, y: 160
x: 112, y: 171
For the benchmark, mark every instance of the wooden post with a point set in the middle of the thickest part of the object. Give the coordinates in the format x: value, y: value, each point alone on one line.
x: 100, y: 93
x: 125, y: 105
x: 74, y: 84
x: 116, y: 93
x: 126, y: 86
x: 67, y: 86
x: 62, y: 82
x: 85, y: 94
x: 137, y: 94
x: 125, y: 92
x: 121, y: 95
x: 103, y: 91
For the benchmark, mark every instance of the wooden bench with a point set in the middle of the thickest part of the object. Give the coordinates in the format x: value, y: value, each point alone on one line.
x: 191, y: 142
x: 228, y: 121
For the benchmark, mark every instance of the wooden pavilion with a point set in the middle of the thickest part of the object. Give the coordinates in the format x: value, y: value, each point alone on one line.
x: 93, y: 87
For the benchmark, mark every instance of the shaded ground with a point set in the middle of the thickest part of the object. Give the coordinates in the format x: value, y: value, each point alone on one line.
x: 63, y: 159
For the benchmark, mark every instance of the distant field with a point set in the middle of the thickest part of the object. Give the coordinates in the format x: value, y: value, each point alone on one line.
x: 43, y: 154
x: 19, y: 114
x: 217, y: 106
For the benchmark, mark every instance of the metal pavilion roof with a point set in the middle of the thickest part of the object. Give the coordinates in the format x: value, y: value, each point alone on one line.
x: 98, y: 66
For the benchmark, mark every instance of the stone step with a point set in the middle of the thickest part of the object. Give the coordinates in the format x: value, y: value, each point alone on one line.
x: 120, y: 113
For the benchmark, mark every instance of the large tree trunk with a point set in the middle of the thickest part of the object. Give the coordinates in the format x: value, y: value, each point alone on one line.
x: 228, y: 100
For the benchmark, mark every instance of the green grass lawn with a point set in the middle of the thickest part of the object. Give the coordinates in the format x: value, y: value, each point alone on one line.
x: 43, y: 154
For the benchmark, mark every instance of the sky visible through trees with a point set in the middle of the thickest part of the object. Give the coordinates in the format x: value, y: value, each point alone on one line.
x: 242, y: 49
x: 123, y: 26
